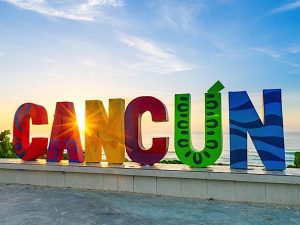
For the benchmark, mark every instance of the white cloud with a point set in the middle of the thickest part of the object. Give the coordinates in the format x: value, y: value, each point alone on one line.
x: 268, y: 52
x: 181, y: 14
x: 275, y: 55
x: 154, y: 58
x: 55, y: 76
x: 48, y: 60
x: 99, y: 66
x: 70, y: 9
x: 294, y: 49
x: 184, y: 16
x: 286, y: 7
x: 146, y: 47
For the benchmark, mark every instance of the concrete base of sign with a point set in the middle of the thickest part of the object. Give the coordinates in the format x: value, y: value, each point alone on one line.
x: 216, y: 182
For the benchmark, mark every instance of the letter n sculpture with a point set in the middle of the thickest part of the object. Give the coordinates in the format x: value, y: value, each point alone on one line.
x: 267, y: 135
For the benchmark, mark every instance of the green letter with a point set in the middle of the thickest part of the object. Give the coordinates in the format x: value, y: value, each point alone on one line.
x: 213, y: 129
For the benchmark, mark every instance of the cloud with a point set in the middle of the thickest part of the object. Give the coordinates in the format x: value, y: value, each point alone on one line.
x: 294, y: 49
x: 268, y: 52
x: 181, y: 14
x: 87, y: 10
x: 154, y: 58
x: 55, y: 76
x: 284, y: 8
x: 48, y: 60
x: 275, y: 55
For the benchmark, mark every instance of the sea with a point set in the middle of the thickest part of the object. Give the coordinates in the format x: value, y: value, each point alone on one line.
x: 292, y: 145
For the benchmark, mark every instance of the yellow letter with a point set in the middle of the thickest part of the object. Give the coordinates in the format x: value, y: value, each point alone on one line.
x: 104, y: 131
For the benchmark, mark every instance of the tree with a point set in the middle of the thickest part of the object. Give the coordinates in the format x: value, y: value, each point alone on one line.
x: 6, y: 146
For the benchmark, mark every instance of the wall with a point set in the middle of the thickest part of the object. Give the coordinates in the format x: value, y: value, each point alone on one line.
x: 216, y: 182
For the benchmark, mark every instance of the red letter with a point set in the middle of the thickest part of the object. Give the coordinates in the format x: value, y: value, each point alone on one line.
x: 22, y: 146
x: 65, y: 135
x: 133, y: 140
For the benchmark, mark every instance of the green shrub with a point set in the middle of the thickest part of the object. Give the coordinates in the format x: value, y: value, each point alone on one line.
x: 297, y: 159
x: 6, y: 146
x: 170, y: 161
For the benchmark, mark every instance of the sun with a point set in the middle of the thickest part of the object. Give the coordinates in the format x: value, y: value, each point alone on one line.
x: 80, y: 114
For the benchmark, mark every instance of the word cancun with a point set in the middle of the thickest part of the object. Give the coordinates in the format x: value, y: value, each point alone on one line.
x: 120, y: 130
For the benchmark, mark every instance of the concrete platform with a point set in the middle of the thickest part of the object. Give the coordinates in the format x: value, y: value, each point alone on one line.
x: 34, y: 205
x: 217, y: 182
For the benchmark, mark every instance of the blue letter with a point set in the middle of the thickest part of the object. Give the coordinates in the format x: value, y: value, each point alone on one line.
x: 267, y: 136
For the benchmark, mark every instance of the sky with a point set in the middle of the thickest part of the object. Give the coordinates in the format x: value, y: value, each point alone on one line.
x: 74, y: 51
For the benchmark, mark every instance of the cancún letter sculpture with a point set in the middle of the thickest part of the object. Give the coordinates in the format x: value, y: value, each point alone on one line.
x: 135, y: 149
x: 267, y: 136
x: 104, y: 131
x: 213, y: 129
x: 120, y: 129
x: 65, y: 135
x: 22, y: 146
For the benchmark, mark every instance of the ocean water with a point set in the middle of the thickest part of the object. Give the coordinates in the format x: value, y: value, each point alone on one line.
x: 292, y: 144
